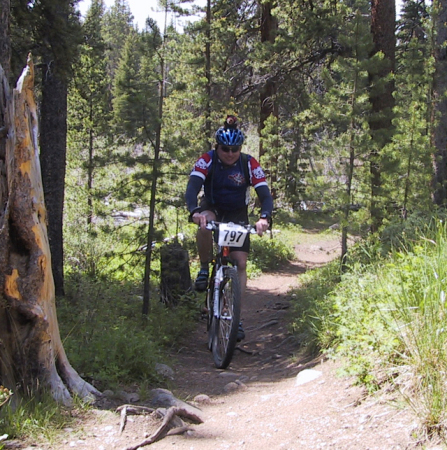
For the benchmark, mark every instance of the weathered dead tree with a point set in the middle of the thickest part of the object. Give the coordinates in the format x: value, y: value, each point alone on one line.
x: 32, y: 357
x: 175, y: 277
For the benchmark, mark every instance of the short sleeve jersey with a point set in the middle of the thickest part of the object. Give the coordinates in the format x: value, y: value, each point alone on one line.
x: 227, y: 187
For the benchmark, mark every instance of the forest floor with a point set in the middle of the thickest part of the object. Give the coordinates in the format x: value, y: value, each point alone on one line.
x: 270, y: 397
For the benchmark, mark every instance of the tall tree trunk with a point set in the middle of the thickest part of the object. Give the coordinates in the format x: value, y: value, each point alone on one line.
x: 53, y: 149
x: 5, y: 44
x: 383, y: 23
x: 268, y: 105
x: 152, y: 203
x: 439, y: 138
x: 208, y: 73
x: 31, y: 351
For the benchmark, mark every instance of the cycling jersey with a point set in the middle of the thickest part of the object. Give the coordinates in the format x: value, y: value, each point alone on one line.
x: 226, y: 187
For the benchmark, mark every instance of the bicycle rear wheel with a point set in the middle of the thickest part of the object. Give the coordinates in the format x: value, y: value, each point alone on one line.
x: 226, y: 326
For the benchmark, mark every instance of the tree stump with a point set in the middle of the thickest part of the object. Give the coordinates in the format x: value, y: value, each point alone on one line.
x: 32, y: 357
x: 175, y: 277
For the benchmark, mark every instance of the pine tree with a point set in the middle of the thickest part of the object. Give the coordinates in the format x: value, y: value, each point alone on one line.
x: 89, y: 106
x: 118, y: 23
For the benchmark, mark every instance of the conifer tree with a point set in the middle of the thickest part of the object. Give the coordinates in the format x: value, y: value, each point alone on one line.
x: 118, y: 23
x: 406, y: 184
x: 89, y: 105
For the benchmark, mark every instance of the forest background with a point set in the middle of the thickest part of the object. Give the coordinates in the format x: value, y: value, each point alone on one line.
x: 344, y: 107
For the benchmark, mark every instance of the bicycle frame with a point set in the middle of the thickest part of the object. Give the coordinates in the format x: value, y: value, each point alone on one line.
x: 224, y: 297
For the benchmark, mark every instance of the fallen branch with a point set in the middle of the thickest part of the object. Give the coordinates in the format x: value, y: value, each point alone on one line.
x: 131, y: 409
x: 267, y: 324
x: 134, y: 409
x: 123, y: 419
x: 164, y: 428
x: 248, y: 352
x: 178, y: 430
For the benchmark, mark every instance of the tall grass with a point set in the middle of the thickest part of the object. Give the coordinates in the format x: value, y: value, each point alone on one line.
x: 388, y: 318
x: 34, y: 420
x: 417, y: 293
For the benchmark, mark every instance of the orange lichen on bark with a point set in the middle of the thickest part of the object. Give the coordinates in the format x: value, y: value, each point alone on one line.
x: 11, y: 287
x: 25, y: 167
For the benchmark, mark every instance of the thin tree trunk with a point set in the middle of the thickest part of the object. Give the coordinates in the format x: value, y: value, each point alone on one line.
x: 90, y: 171
x: 155, y: 169
x: 32, y: 356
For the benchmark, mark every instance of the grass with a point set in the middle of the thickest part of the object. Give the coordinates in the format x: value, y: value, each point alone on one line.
x: 35, y: 420
x: 387, y: 316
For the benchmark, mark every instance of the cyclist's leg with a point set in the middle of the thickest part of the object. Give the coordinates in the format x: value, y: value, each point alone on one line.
x: 240, y: 258
x: 205, y: 240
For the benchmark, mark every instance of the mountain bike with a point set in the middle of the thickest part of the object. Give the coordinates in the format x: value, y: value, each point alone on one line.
x: 223, y: 299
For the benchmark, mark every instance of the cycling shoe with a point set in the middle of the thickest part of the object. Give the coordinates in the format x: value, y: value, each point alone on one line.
x: 202, y: 280
x: 240, y: 333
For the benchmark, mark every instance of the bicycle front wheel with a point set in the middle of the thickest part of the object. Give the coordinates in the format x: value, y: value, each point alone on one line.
x: 225, y: 327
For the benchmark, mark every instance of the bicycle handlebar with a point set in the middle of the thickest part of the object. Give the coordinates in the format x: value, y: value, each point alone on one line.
x: 213, y: 225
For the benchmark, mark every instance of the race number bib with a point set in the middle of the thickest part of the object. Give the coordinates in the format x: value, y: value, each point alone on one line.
x: 232, y: 235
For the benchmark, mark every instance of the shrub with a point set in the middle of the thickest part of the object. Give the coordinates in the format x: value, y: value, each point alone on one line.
x: 105, y: 336
x: 269, y: 254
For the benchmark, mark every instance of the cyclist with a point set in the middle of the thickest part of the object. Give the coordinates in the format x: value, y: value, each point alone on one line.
x: 226, y: 174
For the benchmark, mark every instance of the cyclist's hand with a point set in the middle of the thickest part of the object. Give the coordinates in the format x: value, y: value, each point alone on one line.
x: 262, y: 225
x: 199, y: 219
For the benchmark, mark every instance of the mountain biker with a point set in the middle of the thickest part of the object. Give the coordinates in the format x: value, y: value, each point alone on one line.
x: 226, y: 174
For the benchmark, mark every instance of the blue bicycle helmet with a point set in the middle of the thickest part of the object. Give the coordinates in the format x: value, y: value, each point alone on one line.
x: 229, y: 134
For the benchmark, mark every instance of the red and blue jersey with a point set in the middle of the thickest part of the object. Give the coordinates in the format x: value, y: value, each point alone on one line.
x: 226, y: 186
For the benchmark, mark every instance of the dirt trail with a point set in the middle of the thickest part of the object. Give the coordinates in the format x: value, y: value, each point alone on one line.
x: 258, y: 402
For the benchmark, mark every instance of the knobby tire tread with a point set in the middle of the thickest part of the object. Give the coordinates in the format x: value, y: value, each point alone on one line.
x: 225, y: 331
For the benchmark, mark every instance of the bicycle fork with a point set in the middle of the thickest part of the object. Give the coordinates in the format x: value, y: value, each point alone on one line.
x: 216, y: 294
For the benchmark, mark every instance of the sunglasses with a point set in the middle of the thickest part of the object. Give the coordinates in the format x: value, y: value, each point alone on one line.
x: 233, y: 149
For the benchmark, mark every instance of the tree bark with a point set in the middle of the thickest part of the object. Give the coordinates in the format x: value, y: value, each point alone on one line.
x: 175, y: 277
x: 32, y: 357
x: 268, y: 107
x: 5, y: 43
x: 439, y: 139
x: 53, y: 145
x: 383, y: 23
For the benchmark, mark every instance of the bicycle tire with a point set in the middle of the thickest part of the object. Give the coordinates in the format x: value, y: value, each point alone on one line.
x: 225, y: 327
x: 209, y: 319
x: 210, y: 309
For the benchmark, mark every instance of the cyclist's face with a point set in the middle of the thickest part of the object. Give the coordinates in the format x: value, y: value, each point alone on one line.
x: 228, y: 154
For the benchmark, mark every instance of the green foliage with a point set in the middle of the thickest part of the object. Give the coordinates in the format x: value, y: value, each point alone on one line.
x: 387, y: 316
x: 313, y: 313
x: 105, y: 337
x: 268, y: 253
x: 35, y: 419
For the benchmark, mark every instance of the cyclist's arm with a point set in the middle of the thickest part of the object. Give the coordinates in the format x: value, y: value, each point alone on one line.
x: 265, y: 197
x: 192, y: 190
